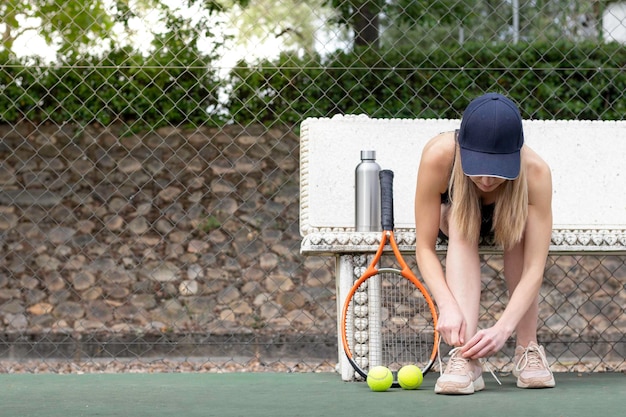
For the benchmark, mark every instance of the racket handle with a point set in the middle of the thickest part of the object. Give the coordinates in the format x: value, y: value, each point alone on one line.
x: 386, y: 199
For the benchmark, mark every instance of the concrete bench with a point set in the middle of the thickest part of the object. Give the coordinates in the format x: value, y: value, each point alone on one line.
x: 586, y: 158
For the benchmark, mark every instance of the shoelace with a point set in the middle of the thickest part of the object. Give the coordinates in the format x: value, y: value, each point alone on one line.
x: 532, y: 358
x: 457, y: 362
x: 485, y: 363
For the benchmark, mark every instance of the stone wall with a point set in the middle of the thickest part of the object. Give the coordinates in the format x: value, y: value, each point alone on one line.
x: 171, y: 232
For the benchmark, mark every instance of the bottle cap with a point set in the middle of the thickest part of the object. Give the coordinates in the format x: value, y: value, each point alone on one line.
x: 368, y: 154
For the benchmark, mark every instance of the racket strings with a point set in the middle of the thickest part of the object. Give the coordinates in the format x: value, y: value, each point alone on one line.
x: 391, y: 323
x: 407, y: 331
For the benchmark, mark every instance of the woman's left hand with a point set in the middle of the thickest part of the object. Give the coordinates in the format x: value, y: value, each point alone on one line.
x: 484, y: 343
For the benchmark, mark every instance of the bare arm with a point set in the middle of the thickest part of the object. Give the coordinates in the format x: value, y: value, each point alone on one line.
x: 535, y: 251
x: 433, y: 176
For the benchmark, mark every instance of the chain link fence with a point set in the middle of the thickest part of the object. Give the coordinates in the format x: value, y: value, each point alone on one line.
x: 135, y: 236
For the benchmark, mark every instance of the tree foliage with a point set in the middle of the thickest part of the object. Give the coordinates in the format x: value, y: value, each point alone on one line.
x: 417, y: 22
x: 66, y: 25
x: 77, y: 28
x: 362, y: 16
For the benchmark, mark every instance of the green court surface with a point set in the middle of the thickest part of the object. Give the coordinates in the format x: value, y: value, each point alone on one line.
x: 298, y: 394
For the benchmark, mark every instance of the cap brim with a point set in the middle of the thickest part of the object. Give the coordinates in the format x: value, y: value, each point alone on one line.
x: 505, y: 166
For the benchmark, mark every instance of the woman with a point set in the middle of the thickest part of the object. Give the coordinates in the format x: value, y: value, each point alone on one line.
x: 483, y: 182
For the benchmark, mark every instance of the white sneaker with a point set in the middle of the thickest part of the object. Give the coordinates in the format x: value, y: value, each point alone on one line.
x: 531, y: 367
x: 460, y: 377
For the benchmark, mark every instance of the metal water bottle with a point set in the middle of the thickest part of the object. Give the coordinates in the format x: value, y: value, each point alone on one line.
x: 367, y: 193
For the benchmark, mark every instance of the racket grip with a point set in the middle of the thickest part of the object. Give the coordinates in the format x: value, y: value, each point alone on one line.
x: 386, y: 199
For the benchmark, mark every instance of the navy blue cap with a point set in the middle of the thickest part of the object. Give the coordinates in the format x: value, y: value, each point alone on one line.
x: 491, y: 137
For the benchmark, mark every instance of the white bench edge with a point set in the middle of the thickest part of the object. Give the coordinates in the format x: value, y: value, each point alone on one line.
x: 563, y: 241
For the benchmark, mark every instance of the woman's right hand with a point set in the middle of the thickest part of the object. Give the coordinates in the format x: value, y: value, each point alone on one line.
x: 451, y: 325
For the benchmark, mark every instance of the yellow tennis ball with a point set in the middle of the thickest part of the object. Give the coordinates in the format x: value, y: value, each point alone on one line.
x: 379, y: 378
x: 410, y: 377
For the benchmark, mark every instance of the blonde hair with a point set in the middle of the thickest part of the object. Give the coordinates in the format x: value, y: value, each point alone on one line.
x: 510, y: 213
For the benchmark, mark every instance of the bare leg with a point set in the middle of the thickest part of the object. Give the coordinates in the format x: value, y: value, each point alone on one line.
x: 463, y: 278
x: 526, y: 330
x: 530, y: 364
x: 462, y: 376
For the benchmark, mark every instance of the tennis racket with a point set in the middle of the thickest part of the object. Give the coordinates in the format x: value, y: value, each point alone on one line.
x: 388, y: 317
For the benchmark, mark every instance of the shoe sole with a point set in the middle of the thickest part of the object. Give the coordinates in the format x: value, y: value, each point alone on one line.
x: 477, y: 385
x: 550, y: 383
